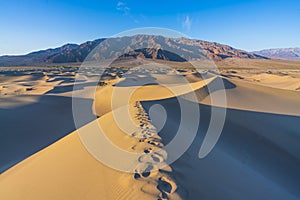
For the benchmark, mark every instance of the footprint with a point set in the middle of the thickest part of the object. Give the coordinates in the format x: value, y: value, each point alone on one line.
x: 163, y: 196
x: 154, y: 143
x: 134, y: 134
x: 153, y: 158
x: 157, y: 158
x: 148, y: 150
x: 165, y: 184
x: 144, y: 169
x: 147, y: 171
x: 137, y: 176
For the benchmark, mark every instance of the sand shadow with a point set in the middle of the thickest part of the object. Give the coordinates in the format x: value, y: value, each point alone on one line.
x: 256, y: 157
x: 27, y: 129
x: 69, y: 88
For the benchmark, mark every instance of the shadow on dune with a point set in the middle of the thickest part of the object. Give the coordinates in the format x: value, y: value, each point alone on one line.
x: 136, y: 80
x: 212, y: 87
x: 35, y: 75
x: 27, y: 129
x: 62, y: 79
x: 256, y: 157
x: 69, y: 88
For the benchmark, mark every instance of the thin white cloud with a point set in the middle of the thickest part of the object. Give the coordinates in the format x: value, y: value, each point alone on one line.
x: 122, y: 7
x: 119, y: 4
x: 187, y: 23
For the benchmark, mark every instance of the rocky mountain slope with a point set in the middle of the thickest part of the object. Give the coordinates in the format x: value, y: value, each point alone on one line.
x: 282, y: 53
x: 143, y: 46
x: 37, y: 57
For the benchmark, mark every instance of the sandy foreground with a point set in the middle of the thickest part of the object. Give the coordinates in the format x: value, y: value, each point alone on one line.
x: 43, y: 156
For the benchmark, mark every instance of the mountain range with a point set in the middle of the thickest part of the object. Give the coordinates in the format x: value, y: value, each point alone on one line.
x: 161, y: 48
x: 281, y: 53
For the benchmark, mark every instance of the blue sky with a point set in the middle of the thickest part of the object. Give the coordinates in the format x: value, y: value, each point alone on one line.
x: 31, y: 25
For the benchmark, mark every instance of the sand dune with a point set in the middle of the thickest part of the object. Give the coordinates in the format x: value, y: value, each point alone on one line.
x: 130, y: 90
x: 254, y: 97
x: 256, y: 157
x: 40, y: 101
x: 282, y: 79
x: 284, y: 82
x: 84, y: 176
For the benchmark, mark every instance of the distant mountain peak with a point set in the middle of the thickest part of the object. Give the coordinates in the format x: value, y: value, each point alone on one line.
x: 281, y: 53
